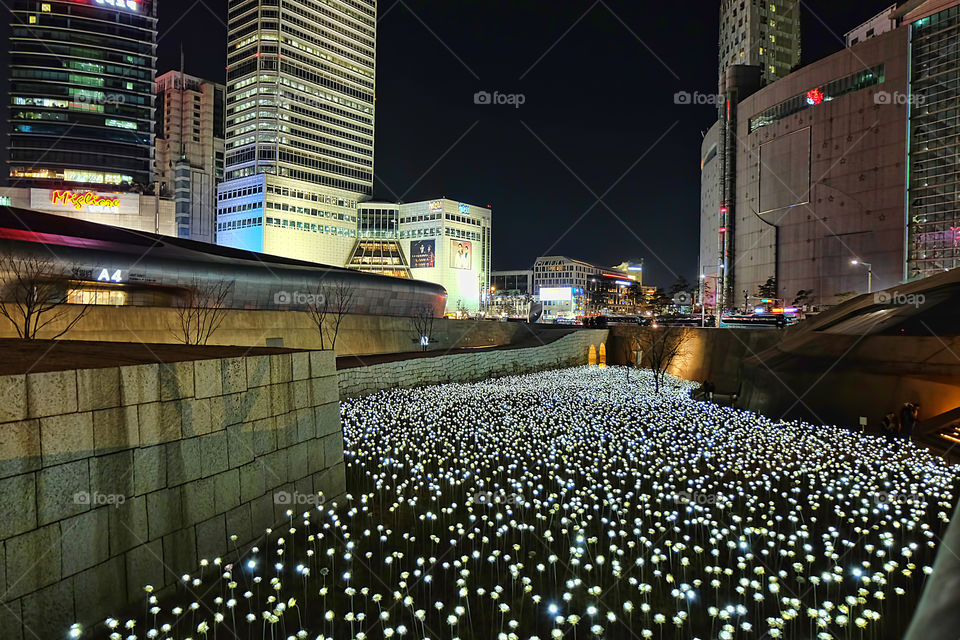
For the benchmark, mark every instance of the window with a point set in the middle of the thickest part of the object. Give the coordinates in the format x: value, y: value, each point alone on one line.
x: 830, y: 91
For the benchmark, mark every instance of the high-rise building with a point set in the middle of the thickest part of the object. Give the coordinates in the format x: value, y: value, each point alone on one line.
x: 760, y: 33
x: 81, y: 93
x: 843, y: 175
x: 190, y: 160
x: 300, y: 111
x: 875, y: 26
x: 933, y: 199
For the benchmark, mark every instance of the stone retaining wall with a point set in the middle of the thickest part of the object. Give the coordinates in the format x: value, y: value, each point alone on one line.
x: 569, y: 351
x: 359, y: 335
x: 114, y: 478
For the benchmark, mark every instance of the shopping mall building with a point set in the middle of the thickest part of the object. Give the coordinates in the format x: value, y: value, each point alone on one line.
x: 843, y: 175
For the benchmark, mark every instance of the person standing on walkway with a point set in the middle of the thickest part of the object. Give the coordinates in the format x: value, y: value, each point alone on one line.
x: 889, y: 425
x: 907, y: 417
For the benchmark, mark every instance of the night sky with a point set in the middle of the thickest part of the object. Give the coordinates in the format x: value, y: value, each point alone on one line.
x: 599, y: 119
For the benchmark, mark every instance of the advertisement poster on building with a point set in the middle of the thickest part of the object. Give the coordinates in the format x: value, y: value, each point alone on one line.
x: 423, y: 254
x: 461, y: 254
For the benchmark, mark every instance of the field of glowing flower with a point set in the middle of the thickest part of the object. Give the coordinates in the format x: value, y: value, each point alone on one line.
x: 578, y: 503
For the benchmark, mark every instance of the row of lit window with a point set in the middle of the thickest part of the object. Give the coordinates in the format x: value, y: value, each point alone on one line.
x: 421, y: 218
x: 239, y: 193
x: 311, y: 228
x: 311, y: 196
x: 283, y: 206
x: 421, y: 233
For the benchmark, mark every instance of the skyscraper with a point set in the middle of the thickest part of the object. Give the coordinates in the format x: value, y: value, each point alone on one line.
x: 81, y: 93
x: 933, y: 198
x: 761, y: 33
x: 190, y: 156
x: 300, y: 126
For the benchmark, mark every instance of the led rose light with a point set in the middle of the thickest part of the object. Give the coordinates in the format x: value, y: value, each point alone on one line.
x: 575, y: 502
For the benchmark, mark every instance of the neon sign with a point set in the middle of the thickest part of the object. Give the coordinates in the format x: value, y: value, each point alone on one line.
x: 79, y: 200
x: 463, y: 208
x: 436, y: 205
x: 815, y: 97
x: 106, y: 277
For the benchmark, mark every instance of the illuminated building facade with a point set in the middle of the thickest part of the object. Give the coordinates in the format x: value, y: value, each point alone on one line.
x: 118, y: 209
x: 448, y: 243
x: 378, y: 248
x: 603, y: 290
x: 190, y: 152
x: 933, y: 203
x: 288, y: 218
x: 846, y: 165
x: 81, y: 93
x: 760, y: 33
x: 300, y: 111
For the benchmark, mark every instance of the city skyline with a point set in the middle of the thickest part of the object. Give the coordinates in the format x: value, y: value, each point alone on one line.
x: 541, y: 173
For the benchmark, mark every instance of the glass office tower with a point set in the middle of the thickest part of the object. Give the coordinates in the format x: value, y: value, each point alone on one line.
x: 81, y: 93
x: 933, y: 215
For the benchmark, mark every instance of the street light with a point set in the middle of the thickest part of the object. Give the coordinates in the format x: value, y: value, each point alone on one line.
x: 869, y: 267
x: 703, y: 304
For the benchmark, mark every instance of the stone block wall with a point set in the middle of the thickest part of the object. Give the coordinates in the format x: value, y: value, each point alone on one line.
x: 111, y: 479
x: 359, y: 334
x: 569, y: 351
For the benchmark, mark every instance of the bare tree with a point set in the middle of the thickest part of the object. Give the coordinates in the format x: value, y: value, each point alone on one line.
x: 318, y: 309
x: 660, y: 347
x: 328, y: 307
x: 341, y: 296
x: 201, y: 311
x: 33, y: 295
x: 422, y: 321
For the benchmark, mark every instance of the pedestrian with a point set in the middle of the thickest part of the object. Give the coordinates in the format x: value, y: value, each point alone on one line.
x: 889, y: 425
x: 710, y: 389
x: 907, y: 416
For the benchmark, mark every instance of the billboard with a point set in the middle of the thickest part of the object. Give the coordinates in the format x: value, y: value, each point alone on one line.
x: 556, y: 294
x: 423, y: 254
x: 461, y: 254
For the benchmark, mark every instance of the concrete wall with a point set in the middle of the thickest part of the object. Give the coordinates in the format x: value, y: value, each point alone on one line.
x: 114, y: 478
x: 840, y: 164
x: 569, y: 351
x: 709, y: 353
x: 359, y: 335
